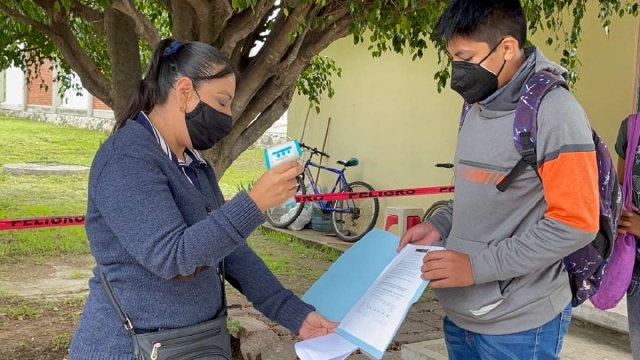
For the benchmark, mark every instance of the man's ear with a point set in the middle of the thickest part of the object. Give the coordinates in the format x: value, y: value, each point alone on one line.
x: 510, y: 47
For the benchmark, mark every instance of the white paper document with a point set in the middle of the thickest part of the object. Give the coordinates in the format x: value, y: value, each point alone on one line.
x: 369, y: 290
x: 328, y: 347
x: 377, y: 316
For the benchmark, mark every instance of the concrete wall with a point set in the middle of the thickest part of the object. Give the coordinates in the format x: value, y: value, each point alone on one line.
x: 387, y: 111
x: 41, y: 96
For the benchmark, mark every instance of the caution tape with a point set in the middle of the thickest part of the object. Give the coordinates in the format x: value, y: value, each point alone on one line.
x: 41, y: 222
x: 59, y: 221
x: 374, y: 194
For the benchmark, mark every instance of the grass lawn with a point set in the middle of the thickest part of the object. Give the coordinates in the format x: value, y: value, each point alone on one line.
x: 40, y: 327
x: 30, y: 196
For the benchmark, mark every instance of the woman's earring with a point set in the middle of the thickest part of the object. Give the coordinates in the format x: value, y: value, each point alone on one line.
x: 183, y: 109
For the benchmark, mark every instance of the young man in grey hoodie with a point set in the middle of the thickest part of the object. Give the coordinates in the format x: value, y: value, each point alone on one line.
x: 501, y: 280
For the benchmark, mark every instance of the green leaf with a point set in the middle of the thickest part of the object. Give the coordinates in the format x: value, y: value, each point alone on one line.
x: 292, y: 37
x: 285, y: 11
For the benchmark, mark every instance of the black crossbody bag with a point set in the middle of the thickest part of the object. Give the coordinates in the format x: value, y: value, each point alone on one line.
x: 206, y: 341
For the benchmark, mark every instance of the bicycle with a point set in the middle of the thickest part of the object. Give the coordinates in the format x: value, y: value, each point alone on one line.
x: 440, y: 203
x: 347, y: 216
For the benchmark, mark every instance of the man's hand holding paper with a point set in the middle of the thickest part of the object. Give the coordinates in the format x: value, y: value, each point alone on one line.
x: 447, y: 269
x: 423, y: 234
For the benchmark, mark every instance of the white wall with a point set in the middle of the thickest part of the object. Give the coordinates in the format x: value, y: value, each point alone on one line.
x: 14, y: 86
x: 73, y: 100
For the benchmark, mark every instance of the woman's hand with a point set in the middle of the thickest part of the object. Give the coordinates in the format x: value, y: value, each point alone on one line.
x: 316, y: 325
x: 276, y: 185
x: 629, y: 222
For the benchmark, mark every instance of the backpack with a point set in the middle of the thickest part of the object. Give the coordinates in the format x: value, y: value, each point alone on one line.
x: 586, y: 266
x: 617, y: 279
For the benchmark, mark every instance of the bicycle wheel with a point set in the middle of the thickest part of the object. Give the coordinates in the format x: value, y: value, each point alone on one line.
x: 282, y: 216
x: 433, y: 208
x: 352, y: 219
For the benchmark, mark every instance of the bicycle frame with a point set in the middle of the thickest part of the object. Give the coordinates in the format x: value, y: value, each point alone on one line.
x: 340, y: 185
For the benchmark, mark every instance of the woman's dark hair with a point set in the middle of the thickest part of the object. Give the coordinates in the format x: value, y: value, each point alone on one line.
x: 171, y: 60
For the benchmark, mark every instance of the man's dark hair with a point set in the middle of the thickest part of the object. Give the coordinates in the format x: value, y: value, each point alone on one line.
x: 487, y: 21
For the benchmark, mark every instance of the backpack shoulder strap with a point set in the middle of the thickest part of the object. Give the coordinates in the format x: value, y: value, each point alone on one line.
x: 525, y: 123
x: 465, y: 109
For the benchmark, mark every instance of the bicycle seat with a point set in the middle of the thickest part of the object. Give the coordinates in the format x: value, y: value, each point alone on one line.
x: 349, y: 163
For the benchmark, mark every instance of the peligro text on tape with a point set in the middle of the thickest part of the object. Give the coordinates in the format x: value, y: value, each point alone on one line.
x: 57, y: 221
x: 373, y: 194
x: 41, y: 222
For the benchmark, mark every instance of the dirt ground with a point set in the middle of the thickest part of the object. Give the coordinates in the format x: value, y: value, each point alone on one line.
x: 41, y: 299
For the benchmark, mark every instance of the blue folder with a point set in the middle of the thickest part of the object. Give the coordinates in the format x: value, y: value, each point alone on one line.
x: 349, y: 278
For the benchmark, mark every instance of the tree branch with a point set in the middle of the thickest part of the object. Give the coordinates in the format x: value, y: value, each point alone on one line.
x: 201, y: 9
x: 220, y: 12
x: 86, y: 12
x: 243, y: 24
x: 238, y: 53
x: 60, y: 33
x: 264, y: 65
x: 91, y: 77
x: 293, y: 51
x: 183, y: 21
x: 145, y: 29
x: 319, y: 41
x: 263, y: 122
x: 36, y: 25
x: 124, y: 57
x: 266, y: 95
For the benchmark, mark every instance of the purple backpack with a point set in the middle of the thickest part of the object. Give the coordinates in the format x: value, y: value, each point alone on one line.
x: 617, y: 279
x: 586, y: 266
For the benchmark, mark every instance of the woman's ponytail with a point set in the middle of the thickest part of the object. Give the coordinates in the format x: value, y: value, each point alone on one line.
x: 147, y: 94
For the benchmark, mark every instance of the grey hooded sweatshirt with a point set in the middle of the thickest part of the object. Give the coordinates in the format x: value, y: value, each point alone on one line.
x: 517, y: 238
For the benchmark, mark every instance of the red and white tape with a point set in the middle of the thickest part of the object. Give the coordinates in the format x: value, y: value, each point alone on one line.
x: 58, y: 221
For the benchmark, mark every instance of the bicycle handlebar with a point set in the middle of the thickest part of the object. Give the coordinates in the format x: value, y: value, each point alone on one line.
x: 315, y: 151
x: 445, y: 165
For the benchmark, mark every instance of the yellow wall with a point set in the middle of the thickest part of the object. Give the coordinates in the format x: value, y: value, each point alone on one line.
x: 388, y: 113
x: 606, y: 88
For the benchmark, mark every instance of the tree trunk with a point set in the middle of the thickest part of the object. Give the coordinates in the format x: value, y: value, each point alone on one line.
x: 124, y: 55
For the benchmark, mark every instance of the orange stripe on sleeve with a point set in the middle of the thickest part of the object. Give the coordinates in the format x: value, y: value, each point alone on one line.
x: 571, y: 190
x: 488, y: 178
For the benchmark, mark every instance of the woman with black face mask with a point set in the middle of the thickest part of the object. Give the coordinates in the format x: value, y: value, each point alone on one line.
x: 162, y: 235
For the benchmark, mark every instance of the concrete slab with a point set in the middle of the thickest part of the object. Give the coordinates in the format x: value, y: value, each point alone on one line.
x: 312, y: 238
x: 44, y: 169
x: 581, y: 343
x: 615, y: 319
x: 278, y: 128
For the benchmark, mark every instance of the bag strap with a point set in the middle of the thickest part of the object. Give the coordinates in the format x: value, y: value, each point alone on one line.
x: 465, y: 109
x: 633, y: 137
x: 529, y: 158
x: 222, y: 274
x: 525, y: 123
x: 122, y: 316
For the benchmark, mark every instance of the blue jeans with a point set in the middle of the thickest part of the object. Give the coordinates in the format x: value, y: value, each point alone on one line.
x: 543, y: 343
x: 633, y: 312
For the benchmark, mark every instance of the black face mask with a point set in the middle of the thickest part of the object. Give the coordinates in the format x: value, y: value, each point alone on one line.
x: 472, y: 81
x: 207, y: 126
